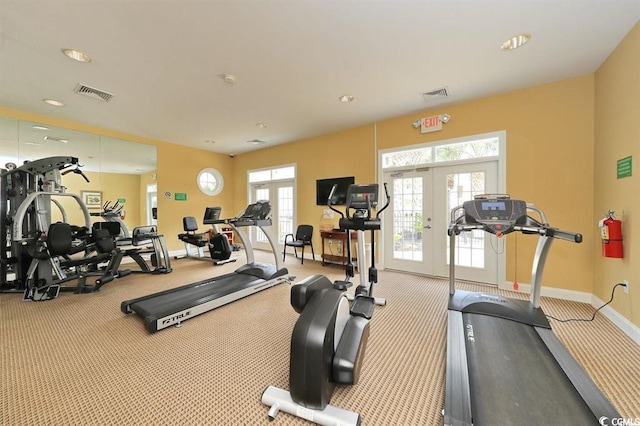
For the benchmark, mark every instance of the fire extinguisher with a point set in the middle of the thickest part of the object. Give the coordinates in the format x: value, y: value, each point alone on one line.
x: 611, y: 230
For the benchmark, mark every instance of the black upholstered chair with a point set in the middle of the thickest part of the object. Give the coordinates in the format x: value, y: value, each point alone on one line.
x: 303, y: 237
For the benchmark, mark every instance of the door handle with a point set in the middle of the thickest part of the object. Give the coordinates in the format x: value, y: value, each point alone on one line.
x: 427, y: 227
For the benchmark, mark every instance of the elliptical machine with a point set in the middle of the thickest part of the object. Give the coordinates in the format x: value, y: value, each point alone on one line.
x: 329, y: 339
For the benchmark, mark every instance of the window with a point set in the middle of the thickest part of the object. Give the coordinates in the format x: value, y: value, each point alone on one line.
x: 428, y: 155
x: 281, y: 173
x: 210, y: 181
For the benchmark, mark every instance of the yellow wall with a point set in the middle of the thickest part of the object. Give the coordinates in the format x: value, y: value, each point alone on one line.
x: 617, y: 135
x: 178, y: 168
x: 348, y: 153
x: 549, y: 162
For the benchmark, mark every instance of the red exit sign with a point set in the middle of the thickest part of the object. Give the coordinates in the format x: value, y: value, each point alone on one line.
x: 431, y: 124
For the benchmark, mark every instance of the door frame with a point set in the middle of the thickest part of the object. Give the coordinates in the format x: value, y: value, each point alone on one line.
x: 273, y: 177
x: 502, y: 183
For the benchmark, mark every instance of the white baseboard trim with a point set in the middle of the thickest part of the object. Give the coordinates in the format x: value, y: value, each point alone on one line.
x: 179, y: 253
x: 558, y: 293
x: 626, y: 326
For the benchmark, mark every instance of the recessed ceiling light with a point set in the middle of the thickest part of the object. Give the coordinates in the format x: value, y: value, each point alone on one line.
x: 77, y: 55
x: 53, y: 102
x: 209, y: 141
x: 39, y: 127
x: 256, y: 142
x: 261, y: 125
x: 32, y: 143
x: 346, y: 98
x: 516, y: 41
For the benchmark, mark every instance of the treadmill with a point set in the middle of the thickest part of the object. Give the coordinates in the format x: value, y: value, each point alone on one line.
x: 504, y: 364
x: 172, y: 307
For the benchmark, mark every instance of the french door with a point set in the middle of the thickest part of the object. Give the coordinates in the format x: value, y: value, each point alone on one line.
x: 409, y: 232
x: 416, y: 225
x: 280, y: 195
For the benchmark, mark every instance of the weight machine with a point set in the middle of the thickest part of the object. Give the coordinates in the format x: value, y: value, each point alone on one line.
x: 27, y: 260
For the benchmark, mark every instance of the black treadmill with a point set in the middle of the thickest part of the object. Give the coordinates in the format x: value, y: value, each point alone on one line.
x: 172, y: 307
x: 504, y: 364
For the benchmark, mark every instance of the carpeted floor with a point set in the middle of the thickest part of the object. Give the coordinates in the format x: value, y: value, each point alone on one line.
x: 78, y: 360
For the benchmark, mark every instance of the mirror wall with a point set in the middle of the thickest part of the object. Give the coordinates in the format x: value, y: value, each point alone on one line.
x: 118, y: 170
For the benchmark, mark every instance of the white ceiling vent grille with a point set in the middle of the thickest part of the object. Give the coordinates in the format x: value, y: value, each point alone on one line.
x: 434, y: 95
x: 91, y: 92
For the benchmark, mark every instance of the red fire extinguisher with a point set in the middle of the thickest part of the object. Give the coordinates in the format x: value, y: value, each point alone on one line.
x: 611, y: 229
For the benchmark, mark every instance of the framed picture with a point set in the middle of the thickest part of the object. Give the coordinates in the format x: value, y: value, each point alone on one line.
x: 92, y: 199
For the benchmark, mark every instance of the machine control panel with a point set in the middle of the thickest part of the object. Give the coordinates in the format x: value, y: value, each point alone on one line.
x: 362, y: 196
x: 498, y: 215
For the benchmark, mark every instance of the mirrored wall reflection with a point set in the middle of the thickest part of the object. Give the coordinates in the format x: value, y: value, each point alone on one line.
x: 119, y: 171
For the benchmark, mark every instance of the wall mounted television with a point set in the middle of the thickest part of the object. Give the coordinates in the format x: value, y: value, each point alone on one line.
x: 323, y: 189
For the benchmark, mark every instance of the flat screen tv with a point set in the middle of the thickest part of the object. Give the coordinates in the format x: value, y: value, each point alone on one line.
x: 323, y: 189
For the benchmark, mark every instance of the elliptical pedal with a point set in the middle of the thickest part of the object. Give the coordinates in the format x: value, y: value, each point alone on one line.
x: 363, y: 306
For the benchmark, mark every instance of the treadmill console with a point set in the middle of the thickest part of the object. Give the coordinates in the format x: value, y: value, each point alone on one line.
x: 257, y: 211
x: 497, y: 215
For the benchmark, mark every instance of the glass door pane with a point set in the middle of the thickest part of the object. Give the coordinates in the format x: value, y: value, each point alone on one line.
x: 476, y: 252
x: 407, y: 218
x: 407, y: 246
x: 285, y: 212
x: 470, y: 246
x: 258, y: 239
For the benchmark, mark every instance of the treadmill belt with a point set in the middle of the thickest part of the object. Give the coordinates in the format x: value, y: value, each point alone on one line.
x: 515, y: 379
x: 167, y: 303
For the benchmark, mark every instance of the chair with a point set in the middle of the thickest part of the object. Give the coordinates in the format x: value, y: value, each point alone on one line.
x: 304, y: 235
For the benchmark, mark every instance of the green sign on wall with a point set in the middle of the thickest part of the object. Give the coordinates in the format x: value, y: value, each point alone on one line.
x: 624, y: 167
x: 180, y: 196
x: 122, y: 200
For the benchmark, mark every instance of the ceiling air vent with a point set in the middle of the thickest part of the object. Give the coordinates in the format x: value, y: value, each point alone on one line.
x: 91, y: 92
x: 434, y: 95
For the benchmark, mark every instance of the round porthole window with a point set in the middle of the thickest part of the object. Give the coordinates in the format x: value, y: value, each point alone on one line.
x: 210, y: 181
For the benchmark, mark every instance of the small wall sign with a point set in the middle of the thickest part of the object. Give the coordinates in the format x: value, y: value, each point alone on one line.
x: 180, y: 196
x: 624, y: 168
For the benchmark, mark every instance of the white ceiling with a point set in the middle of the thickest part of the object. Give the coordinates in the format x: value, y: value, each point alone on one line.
x: 163, y: 60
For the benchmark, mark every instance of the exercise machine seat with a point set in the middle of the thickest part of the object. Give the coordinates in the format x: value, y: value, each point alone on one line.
x: 190, y: 226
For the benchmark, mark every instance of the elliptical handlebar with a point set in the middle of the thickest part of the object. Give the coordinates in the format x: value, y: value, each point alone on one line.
x: 333, y: 190
x: 386, y: 194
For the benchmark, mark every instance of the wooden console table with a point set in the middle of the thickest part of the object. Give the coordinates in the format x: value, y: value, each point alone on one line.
x: 337, y: 236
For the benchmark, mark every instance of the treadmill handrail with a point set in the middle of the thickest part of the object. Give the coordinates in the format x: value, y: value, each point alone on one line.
x: 532, y: 226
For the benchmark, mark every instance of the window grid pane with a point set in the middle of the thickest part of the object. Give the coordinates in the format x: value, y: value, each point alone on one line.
x: 463, y: 187
x: 407, y: 218
x: 261, y: 194
x: 285, y: 211
x: 481, y: 148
